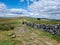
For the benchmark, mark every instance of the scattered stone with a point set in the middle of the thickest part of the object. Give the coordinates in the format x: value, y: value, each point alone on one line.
x: 10, y: 34
x: 13, y: 36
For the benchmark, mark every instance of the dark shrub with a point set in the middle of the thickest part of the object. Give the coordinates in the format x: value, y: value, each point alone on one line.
x: 12, y: 27
x: 7, y: 27
x: 38, y: 18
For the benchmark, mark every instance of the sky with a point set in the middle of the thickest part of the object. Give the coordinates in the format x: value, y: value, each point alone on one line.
x: 14, y: 3
x: 32, y: 8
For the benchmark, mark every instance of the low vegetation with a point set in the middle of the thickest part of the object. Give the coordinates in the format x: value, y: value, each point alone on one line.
x: 8, y: 24
x: 25, y: 35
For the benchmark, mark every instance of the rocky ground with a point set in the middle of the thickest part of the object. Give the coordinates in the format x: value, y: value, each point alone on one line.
x: 30, y: 36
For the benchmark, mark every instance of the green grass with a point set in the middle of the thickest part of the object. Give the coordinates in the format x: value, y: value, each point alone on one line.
x: 28, y: 34
x: 6, y: 43
x: 55, y: 37
x: 8, y: 24
x: 43, y: 33
x: 41, y: 21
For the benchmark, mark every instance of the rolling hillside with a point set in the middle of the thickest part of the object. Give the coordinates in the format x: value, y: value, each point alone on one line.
x: 25, y: 35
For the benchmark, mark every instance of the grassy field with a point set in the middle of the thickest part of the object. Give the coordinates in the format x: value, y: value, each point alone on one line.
x: 25, y: 35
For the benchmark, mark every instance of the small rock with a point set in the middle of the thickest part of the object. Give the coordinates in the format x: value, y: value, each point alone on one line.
x: 10, y: 34
x: 13, y: 36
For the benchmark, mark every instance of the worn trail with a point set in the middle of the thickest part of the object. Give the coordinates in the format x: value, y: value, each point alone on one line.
x: 31, y: 36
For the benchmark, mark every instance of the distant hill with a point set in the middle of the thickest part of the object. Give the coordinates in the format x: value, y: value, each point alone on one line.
x: 46, y: 19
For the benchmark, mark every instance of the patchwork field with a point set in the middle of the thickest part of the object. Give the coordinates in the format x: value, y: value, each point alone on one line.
x: 13, y: 32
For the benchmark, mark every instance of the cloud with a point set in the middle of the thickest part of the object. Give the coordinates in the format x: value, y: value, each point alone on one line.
x: 46, y: 8
x: 21, y: 0
x: 3, y: 8
x: 28, y: 0
x: 13, y: 12
x: 39, y: 8
x: 19, y: 12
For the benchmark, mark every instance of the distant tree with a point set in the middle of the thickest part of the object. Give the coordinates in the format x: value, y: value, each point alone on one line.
x: 38, y: 18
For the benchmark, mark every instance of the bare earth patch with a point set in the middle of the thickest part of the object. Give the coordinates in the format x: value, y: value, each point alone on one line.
x: 32, y: 37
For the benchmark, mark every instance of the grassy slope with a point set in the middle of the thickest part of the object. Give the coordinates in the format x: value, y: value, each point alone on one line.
x: 28, y: 35
x: 41, y: 21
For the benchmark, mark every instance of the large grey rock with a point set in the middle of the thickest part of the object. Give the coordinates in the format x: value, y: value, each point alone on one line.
x: 58, y: 32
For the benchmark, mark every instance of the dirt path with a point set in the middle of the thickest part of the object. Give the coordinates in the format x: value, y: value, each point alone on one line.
x: 32, y: 37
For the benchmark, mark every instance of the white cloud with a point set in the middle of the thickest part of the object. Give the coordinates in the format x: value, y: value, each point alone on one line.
x: 21, y: 0
x: 27, y: 0
x: 3, y: 8
x: 20, y: 10
x: 41, y: 8
x: 46, y: 8
x: 14, y: 12
x: 31, y: 0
